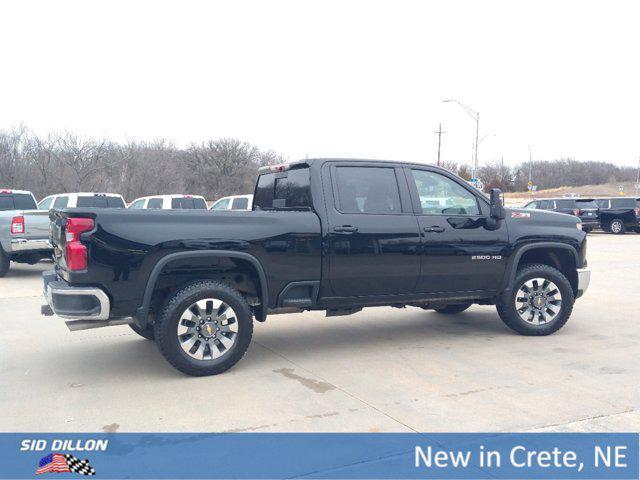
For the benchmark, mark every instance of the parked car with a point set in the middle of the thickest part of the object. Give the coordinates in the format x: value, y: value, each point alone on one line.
x: 332, y: 235
x: 584, y: 208
x: 234, y: 202
x: 24, y: 231
x: 82, y: 199
x: 169, y: 202
x: 619, y: 214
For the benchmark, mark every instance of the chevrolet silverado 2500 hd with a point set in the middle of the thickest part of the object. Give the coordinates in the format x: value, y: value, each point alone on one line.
x: 326, y: 234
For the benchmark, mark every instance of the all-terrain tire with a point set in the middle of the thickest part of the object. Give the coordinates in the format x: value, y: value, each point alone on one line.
x: 617, y: 226
x: 510, y: 315
x: 146, y: 332
x: 5, y: 263
x: 453, y: 308
x: 166, y: 327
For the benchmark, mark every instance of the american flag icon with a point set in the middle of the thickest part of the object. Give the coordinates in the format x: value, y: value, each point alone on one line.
x: 62, y: 463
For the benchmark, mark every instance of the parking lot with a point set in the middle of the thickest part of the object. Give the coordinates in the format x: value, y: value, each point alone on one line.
x: 382, y: 369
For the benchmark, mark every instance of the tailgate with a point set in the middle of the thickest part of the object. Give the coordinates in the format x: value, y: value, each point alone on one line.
x: 36, y: 224
x: 58, y: 220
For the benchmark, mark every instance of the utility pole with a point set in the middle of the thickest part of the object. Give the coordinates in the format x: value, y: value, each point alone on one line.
x: 439, y: 132
x: 475, y: 168
x: 638, y: 179
x: 530, y: 163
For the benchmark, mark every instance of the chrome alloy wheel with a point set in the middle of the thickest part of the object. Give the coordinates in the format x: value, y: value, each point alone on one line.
x: 207, y: 329
x: 616, y: 226
x: 538, y: 301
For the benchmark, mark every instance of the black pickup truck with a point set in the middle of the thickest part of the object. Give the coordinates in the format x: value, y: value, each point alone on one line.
x: 619, y: 214
x: 326, y: 234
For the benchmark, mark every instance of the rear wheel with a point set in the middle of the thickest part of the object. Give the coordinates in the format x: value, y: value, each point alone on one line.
x: 617, y: 226
x: 540, y: 302
x: 452, y: 309
x: 204, y: 329
x: 4, y: 263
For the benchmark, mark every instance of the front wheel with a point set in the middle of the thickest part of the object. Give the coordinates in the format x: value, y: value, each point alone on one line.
x: 452, y: 309
x: 204, y: 329
x: 540, y: 302
x: 5, y: 262
x: 617, y: 226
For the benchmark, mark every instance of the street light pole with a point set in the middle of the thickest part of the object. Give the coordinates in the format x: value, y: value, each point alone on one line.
x: 476, y: 116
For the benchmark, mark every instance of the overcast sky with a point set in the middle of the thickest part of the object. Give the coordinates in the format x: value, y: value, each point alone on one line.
x: 346, y: 78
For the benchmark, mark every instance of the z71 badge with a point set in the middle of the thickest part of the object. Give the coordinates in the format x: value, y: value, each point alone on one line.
x: 520, y: 215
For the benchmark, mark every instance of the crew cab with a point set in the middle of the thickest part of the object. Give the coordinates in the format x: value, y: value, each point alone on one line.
x: 24, y: 231
x: 82, y: 200
x: 169, y: 202
x: 326, y: 234
x: 619, y: 214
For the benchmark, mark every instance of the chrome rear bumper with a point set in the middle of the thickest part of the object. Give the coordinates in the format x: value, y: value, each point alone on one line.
x: 74, y: 303
x: 28, y: 244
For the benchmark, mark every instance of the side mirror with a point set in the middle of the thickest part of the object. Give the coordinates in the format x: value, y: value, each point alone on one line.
x: 497, y: 208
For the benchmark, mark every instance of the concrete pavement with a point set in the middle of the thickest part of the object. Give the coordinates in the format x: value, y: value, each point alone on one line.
x: 382, y: 369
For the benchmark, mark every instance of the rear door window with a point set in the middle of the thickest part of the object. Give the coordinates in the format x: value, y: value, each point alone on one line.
x: 602, y: 203
x: 586, y: 204
x: 61, y: 202
x: 240, y: 203
x: 115, y: 202
x: 565, y: 204
x: 368, y: 190
x: 155, y: 203
x: 623, y: 203
x: 199, y: 204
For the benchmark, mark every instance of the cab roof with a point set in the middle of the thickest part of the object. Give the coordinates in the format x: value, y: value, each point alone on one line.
x: 314, y: 161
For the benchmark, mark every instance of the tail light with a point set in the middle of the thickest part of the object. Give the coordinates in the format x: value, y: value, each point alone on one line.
x: 637, y: 211
x: 576, y: 212
x: 17, y: 225
x: 76, y: 252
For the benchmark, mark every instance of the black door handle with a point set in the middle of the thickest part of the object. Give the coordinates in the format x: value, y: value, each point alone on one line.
x: 345, y: 229
x: 434, y: 229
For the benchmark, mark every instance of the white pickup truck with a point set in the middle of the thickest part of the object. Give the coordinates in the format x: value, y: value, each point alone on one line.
x: 24, y: 230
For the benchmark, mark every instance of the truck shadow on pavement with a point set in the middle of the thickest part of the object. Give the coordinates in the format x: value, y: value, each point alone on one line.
x: 22, y: 270
x: 136, y: 358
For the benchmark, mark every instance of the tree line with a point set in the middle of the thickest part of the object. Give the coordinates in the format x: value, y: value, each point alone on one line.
x: 64, y: 162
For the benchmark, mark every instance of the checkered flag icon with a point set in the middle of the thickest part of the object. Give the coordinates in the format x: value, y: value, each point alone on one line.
x: 79, y: 466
